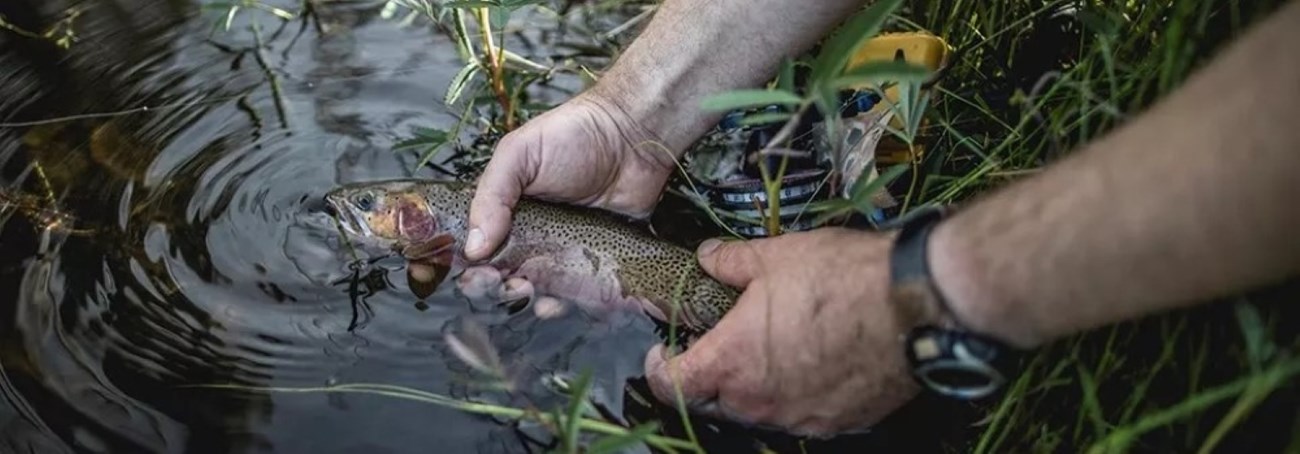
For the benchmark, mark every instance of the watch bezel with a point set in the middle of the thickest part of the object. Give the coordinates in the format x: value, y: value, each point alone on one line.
x: 957, y: 351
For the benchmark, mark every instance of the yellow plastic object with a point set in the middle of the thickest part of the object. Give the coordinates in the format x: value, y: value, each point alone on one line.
x: 918, y: 48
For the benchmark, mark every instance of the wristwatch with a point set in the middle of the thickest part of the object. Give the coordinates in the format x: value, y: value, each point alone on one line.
x: 945, y: 357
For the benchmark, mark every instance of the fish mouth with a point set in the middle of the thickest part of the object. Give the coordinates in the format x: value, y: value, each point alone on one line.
x: 346, y: 217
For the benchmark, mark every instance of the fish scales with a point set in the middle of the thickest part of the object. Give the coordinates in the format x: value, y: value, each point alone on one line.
x: 583, y: 244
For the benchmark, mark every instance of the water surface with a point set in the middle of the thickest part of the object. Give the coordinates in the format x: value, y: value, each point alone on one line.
x: 162, y: 226
x: 193, y: 249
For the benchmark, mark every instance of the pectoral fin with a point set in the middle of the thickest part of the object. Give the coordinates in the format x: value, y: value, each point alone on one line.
x: 424, y: 278
x: 435, y: 247
x: 429, y: 264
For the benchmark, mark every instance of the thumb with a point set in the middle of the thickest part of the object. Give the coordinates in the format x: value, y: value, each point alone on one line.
x: 734, y: 263
x: 690, y: 372
x: 493, y: 206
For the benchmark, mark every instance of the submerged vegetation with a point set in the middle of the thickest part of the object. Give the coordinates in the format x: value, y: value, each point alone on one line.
x: 1028, y: 81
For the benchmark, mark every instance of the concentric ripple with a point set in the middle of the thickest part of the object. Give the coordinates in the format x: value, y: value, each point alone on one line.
x: 198, y: 252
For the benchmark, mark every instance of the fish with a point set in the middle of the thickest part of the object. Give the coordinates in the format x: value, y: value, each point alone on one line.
x: 583, y: 254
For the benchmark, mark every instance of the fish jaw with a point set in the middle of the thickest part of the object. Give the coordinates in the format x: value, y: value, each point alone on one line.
x: 347, y: 218
x: 389, y: 214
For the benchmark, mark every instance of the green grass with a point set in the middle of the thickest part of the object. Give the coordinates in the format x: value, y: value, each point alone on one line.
x: 1180, y: 382
x: 1026, y: 87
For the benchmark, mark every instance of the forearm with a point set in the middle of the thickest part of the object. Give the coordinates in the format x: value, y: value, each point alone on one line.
x: 693, y: 49
x: 1194, y: 199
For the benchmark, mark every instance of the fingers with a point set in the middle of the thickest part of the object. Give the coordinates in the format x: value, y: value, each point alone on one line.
x: 498, y: 190
x: 692, y: 372
x: 479, y: 282
x: 734, y: 263
x: 517, y: 288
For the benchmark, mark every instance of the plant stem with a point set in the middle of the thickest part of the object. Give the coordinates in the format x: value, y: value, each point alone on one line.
x: 1257, y: 384
x: 916, y: 170
x: 590, y: 425
x: 494, y: 65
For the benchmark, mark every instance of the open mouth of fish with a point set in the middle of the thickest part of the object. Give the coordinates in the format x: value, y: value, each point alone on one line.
x: 347, y: 218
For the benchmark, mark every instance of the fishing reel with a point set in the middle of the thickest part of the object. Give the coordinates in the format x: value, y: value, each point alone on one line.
x: 814, y: 166
x: 739, y: 188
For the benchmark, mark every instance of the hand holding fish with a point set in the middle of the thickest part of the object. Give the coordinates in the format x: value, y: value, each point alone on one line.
x: 811, y: 346
x: 586, y: 152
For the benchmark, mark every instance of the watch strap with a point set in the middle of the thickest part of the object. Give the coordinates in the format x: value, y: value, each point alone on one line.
x: 945, y: 357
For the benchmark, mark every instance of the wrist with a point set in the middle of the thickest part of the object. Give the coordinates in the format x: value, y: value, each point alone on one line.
x: 947, y: 353
x: 977, y: 300
x: 659, y: 100
x: 644, y: 146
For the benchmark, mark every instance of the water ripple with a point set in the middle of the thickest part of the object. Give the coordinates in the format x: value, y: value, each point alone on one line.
x: 209, y: 259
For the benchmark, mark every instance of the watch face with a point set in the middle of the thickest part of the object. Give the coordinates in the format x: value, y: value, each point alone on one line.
x: 954, y: 363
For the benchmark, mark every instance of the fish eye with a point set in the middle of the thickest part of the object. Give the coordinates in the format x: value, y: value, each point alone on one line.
x: 364, y: 202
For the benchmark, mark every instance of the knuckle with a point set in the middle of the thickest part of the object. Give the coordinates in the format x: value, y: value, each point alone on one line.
x: 816, y: 427
x: 725, y: 254
x: 738, y: 253
x: 758, y: 411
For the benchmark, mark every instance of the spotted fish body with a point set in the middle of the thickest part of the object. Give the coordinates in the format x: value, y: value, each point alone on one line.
x: 570, y: 251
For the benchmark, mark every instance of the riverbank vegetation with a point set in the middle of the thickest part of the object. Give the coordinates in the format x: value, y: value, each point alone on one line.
x: 1028, y: 82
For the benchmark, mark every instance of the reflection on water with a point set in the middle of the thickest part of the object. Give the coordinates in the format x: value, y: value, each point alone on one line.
x: 192, y: 249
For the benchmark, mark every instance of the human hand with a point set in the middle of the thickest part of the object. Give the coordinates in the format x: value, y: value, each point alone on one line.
x: 587, y: 152
x: 812, y: 347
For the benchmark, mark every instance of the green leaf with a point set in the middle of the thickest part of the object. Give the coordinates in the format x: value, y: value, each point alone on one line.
x: 1258, y: 348
x: 828, y: 102
x: 918, y: 112
x: 837, y: 50
x: 563, y: 425
x: 463, y: 44
x: 516, y: 4
x: 218, y: 5
x: 458, y: 83
x: 859, y: 196
x: 499, y: 17
x: 278, y: 12
x: 230, y: 17
x: 862, y: 193
x: 786, y: 80
x: 424, y: 138
x: 738, y: 99
x: 832, y: 209
x: 577, y: 402
x: 764, y: 118
x: 471, y: 4
x: 865, y: 186
x: 1091, y: 406
x: 1100, y: 21
x: 879, y: 72
x: 617, y: 443
x: 910, y: 109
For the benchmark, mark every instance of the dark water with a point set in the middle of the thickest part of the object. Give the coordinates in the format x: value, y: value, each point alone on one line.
x: 162, y: 227
x: 200, y: 255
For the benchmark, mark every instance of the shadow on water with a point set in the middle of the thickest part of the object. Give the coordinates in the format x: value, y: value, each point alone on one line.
x: 162, y: 227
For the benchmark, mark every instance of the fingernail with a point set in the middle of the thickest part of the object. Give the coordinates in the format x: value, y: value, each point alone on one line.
x: 653, y: 358
x: 657, y: 353
x: 474, y: 241
x: 709, y: 245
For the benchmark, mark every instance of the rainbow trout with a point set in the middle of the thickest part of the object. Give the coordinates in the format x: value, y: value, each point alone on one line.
x: 561, y: 250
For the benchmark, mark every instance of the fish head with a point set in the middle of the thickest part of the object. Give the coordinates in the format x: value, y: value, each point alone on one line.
x: 394, y: 214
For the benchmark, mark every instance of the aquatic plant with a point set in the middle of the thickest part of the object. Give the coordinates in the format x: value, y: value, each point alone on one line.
x: 1008, y: 108
x: 1184, y: 381
x: 505, y: 75
x: 62, y: 33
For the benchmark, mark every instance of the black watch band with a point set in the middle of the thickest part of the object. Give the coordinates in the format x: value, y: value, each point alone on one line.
x: 945, y: 357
